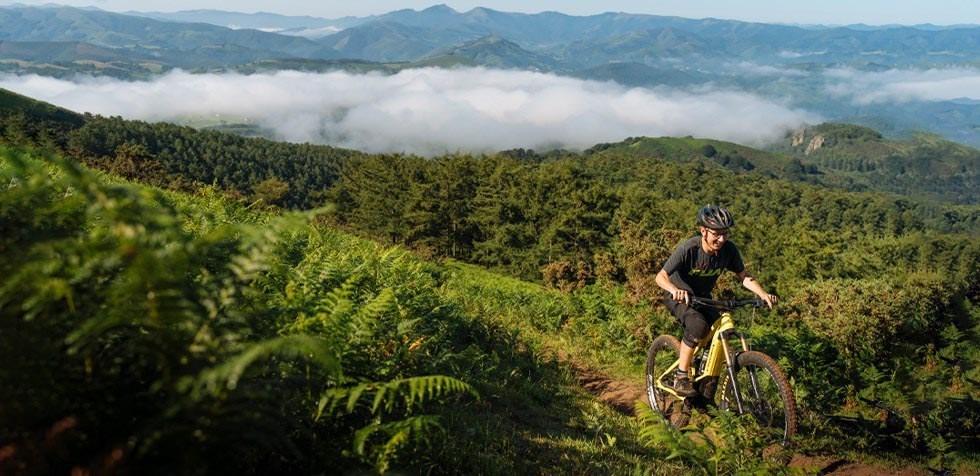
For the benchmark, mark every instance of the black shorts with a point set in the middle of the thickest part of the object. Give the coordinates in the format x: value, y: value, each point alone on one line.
x: 696, y: 322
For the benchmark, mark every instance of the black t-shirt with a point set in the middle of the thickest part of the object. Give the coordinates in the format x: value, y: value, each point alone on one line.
x: 690, y: 268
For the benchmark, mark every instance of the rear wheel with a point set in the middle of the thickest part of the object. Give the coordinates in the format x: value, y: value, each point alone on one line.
x: 662, y: 355
x: 765, y: 394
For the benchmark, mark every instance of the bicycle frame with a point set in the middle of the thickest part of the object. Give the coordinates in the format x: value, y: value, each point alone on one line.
x: 750, y: 382
x: 719, y: 358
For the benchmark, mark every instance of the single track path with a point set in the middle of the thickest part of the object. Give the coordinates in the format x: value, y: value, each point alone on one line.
x: 622, y: 396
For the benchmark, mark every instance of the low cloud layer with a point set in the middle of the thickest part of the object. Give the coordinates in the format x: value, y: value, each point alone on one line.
x: 429, y: 111
x: 904, y: 85
x: 754, y: 69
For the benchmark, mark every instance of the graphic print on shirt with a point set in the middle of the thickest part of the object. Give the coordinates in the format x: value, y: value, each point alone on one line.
x: 705, y: 273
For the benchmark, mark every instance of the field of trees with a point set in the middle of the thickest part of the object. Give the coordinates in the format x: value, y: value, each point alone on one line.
x: 200, y: 329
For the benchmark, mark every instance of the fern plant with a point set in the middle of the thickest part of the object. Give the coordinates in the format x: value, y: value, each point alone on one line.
x: 201, y: 345
x: 725, y: 444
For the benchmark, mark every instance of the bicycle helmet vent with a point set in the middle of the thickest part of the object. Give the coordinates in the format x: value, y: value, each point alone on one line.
x: 715, y: 217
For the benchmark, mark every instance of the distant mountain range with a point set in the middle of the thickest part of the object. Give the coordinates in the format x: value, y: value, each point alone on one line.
x: 129, y: 32
x: 573, y: 41
x: 306, y: 26
x: 631, y: 49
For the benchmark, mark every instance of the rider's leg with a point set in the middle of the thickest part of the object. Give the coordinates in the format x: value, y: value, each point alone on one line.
x: 686, y: 353
x: 682, y: 380
x: 695, y: 328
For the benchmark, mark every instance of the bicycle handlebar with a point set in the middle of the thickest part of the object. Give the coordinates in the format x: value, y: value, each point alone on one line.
x: 726, y: 305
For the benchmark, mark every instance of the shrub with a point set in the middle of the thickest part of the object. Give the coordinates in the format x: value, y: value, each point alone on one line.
x: 565, y: 276
x: 708, y: 150
x: 861, y: 316
x: 138, y: 344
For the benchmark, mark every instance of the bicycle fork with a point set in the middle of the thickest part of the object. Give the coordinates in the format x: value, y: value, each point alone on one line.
x: 731, y: 365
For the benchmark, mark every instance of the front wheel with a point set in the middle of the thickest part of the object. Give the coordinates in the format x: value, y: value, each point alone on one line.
x: 765, y: 394
x: 661, y: 358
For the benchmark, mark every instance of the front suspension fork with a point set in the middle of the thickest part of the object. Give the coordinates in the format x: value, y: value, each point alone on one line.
x: 731, y: 368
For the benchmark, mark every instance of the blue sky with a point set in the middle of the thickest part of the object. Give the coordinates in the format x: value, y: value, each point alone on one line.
x: 873, y: 12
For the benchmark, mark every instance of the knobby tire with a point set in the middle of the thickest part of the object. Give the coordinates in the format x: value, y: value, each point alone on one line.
x: 775, y: 409
x: 663, y: 352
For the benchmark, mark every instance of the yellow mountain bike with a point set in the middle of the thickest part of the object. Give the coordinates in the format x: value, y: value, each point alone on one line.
x: 750, y: 382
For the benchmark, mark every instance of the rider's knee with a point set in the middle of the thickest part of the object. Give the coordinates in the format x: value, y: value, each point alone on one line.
x: 690, y: 343
x: 694, y: 331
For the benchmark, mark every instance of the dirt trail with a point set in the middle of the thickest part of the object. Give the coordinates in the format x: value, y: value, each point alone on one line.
x: 830, y: 465
x: 622, y: 396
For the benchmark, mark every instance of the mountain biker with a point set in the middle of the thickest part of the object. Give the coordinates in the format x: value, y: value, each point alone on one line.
x: 693, y: 268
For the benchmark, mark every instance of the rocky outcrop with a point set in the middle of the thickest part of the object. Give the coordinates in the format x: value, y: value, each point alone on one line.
x: 815, y: 143
x: 799, y: 136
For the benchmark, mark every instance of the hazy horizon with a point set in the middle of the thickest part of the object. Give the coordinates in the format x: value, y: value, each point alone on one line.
x: 829, y: 12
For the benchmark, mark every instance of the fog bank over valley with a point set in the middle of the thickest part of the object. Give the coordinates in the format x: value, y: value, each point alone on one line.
x: 429, y: 111
x: 904, y: 85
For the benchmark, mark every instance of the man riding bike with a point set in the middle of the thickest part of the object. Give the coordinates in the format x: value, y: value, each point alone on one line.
x: 693, y: 268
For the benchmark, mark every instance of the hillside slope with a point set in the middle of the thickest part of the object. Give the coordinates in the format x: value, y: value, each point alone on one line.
x: 12, y: 103
x: 729, y: 155
x: 843, y: 156
x: 496, y: 52
x: 361, y: 313
x: 924, y: 166
x: 193, y: 302
x: 320, y: 340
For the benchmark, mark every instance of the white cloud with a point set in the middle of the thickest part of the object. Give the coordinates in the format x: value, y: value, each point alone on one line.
x: 789, y: 54
x: 754, y: 69
x: 430, y: 111
x: 313, y: 33
x: 904, y: 85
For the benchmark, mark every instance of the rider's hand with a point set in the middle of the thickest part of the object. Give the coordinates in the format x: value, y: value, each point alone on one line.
x: 681, y: 295
x: 770, y: 299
